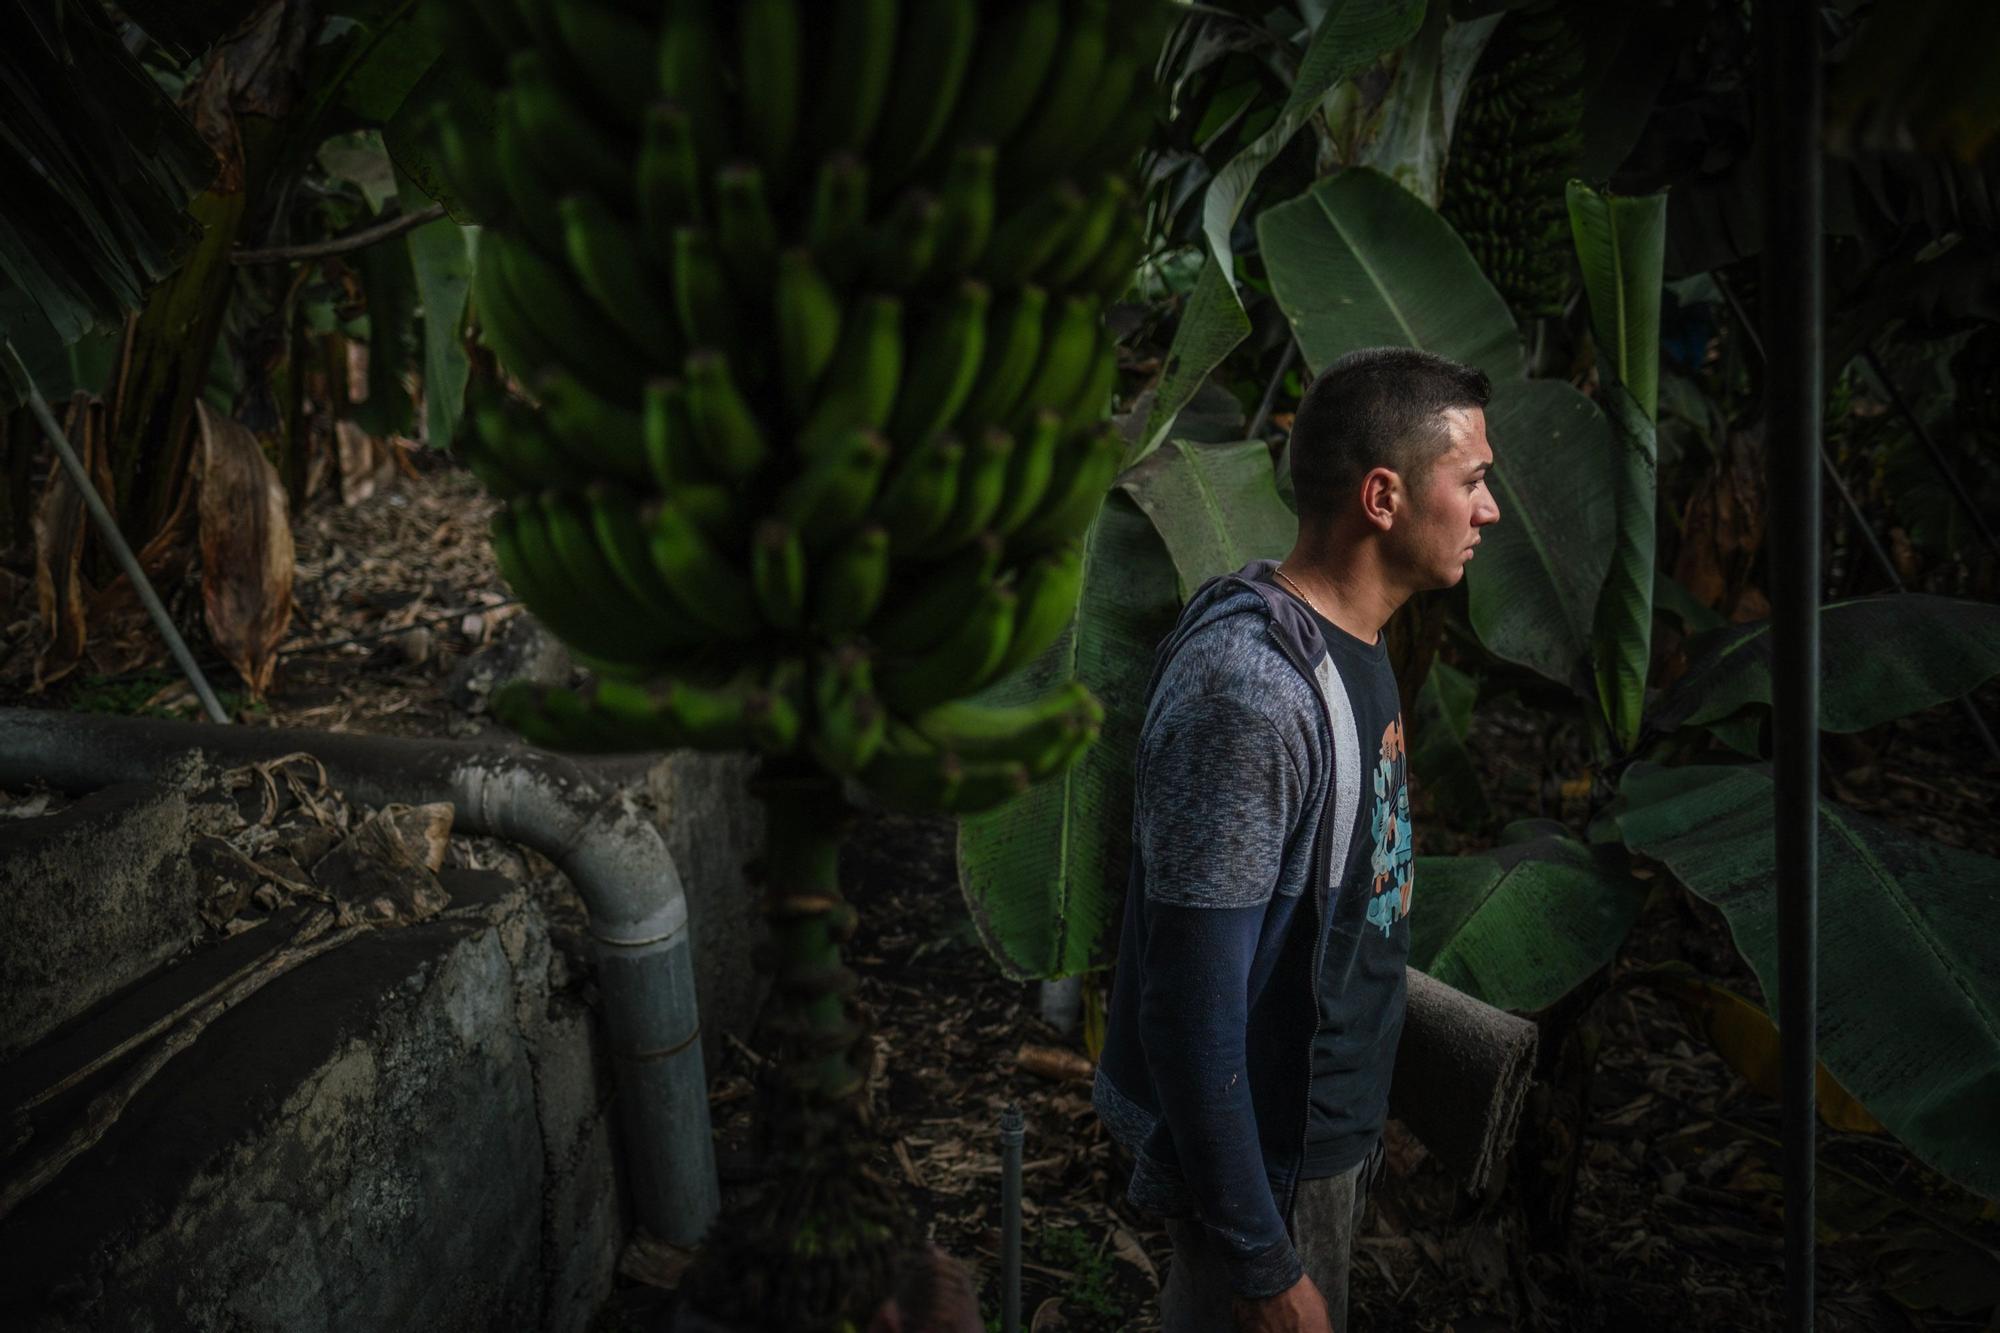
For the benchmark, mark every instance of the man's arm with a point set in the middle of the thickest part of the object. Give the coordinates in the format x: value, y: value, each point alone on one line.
x: 1220, y: 795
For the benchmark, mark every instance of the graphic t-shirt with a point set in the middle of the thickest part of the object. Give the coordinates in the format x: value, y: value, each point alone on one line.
x: 1361, y: 990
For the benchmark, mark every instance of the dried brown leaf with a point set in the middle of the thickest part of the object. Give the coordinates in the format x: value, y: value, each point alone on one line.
x: 246, y: 549
x: 1053, y: 1062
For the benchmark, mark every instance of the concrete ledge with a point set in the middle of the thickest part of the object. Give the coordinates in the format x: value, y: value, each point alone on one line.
x: 91, y: 899
x: 409, y: 1132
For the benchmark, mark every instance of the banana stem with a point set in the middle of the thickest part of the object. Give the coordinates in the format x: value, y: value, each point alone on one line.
x: 805, y: 818
x: 821, y: 1246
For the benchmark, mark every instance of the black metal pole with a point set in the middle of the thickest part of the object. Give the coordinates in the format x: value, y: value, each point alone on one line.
x: 1788, y: 123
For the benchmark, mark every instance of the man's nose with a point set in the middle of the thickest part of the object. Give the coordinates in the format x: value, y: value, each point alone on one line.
x: 1489, y: 512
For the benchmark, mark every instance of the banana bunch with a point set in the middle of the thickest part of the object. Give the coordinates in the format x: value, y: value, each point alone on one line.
x: 809, y: 372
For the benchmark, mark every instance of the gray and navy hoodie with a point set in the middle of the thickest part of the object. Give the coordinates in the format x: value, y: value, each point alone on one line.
x: 1259, y: 990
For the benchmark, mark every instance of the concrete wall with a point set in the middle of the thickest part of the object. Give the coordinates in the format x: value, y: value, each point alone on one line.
x: 411, y: 1131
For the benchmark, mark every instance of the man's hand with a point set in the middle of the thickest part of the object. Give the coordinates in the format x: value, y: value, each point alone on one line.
x: 1298, y: 1309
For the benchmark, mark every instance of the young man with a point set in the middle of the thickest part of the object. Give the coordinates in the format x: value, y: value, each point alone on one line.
x: 1259, y: 993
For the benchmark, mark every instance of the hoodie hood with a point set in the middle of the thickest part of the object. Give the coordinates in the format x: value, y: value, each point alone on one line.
x: 1248, y: 589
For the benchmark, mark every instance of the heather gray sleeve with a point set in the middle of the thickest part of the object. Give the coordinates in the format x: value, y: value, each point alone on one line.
x: 1217, y: 799
x: 1220, y: 794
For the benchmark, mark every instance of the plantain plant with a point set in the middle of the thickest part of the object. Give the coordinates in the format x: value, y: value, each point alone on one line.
x: 806, y: 305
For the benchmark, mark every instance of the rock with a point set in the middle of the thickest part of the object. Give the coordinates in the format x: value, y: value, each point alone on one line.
x: 524, y: 651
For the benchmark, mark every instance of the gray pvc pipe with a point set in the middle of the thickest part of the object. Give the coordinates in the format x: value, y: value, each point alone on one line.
x: 591, y: 830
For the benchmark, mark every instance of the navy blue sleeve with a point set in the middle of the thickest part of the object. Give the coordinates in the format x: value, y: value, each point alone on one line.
x: 1218, y: 797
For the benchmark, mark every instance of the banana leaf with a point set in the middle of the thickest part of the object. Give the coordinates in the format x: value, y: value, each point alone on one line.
x: 1215, y: 507
x: 100, y: 167
x: 1357, y: 261
x: 1909, y: 985
x: 1439, y: 757
x: 1350, y: 36
x: 1044, y: 874
x: 1620, y: 243
x: 1532, y: 589
x: 1523, y: 924
x: 442, y: 262
x: 1881, y: 658
x: 1413, y: 136
x: 1212, y: 323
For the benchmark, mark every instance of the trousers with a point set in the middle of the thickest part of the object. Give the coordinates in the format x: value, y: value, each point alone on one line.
x: 1325, y: 1215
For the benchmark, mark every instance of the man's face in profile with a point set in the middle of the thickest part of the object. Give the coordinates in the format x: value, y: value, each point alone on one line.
x: 1450, y: 504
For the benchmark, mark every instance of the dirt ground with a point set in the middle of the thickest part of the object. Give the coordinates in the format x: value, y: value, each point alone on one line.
x: 1676, y: 1221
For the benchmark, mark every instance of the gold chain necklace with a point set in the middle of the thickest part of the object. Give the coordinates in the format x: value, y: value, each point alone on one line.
x: 1303, y: 594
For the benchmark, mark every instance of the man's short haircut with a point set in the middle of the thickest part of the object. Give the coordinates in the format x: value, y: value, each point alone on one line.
x: 1378, y: 407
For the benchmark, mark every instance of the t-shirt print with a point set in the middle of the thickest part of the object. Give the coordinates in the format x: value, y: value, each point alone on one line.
x: 1393, y: 858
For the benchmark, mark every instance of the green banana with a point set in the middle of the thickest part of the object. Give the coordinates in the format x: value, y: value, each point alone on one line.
x: 730, y: 435
x: 563, y: 141
x: 806, y: 312
x: 615, y: 519
x: 1024, y: 732
x: 1038, y: 149
x: 1088, y: 407
x: 713, y: 509
x: 969, y: 201
x: 543, y: 297
x: 941, y: 369
x: 1093, y: 230
x: 668, y: 188
x: 516, y: 437
x: 938, y: 35
x: 484, y: 462
x: 539, y: 576
x: 1029, y: 472
x: 613, y: 48
x: 531, y: 200
x: 984, y: 786
x: 636, y: 710
x: 779, y: 730
x: 778, y: 574
x: 1066, y: 360
x: 1078, y: 489
x: 605, y: 437
x: 691, y: 74
x: 982, y: 485
x: 1050, y: 587
x: 471, y: 166
x: 906, y: 243
x: 855, y: 75
x: 711, y: 588
x: 918, y: 497
x: 923, y: 618
x: 1013, y: 348
x: 849, y: 721
x: 839, y: 212
x: 958, y: 664
x: 605, y: 257
x: 915, y: 780
x: 867, y: 369
x: 673, y: 452
x: 770, y: 43
x: 728, y: 716
x: 1111, y: 273
x: 702, y: 299
x: 746, y: 234
x: 500, y: 324
x: 834, y: 488
x: 572, y: 535
x: 1016, y: 53
x: 852, y: 580
x: 1027, y: 237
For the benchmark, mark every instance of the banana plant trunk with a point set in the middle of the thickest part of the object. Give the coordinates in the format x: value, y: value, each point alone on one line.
x: 819, y: 1245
